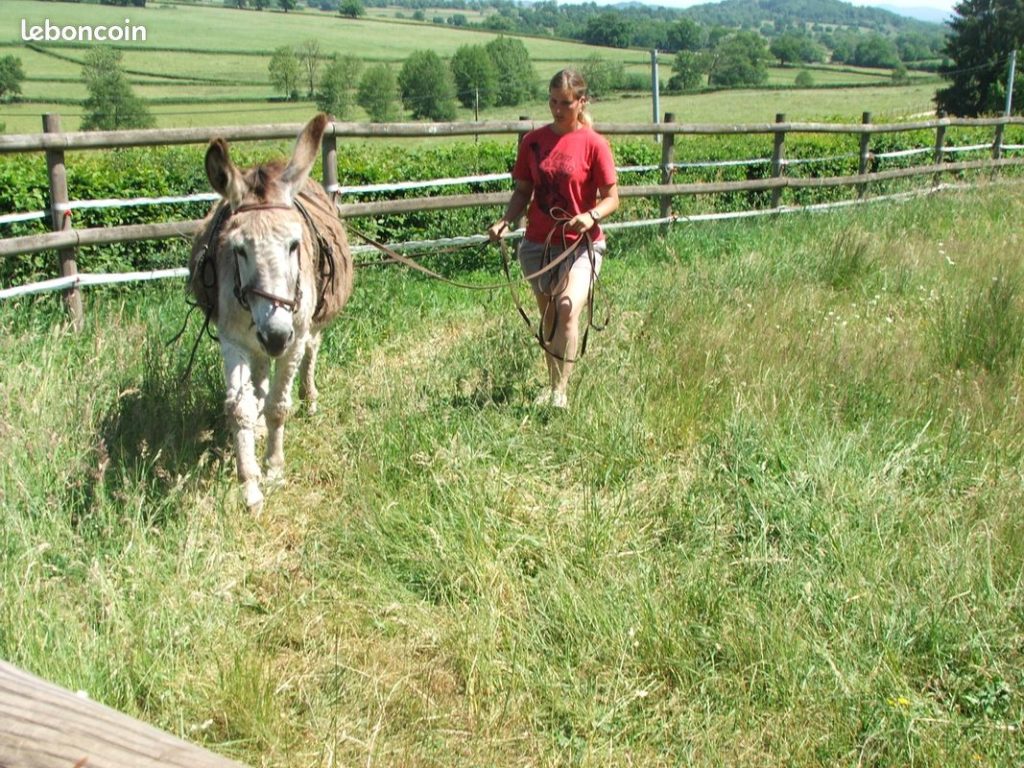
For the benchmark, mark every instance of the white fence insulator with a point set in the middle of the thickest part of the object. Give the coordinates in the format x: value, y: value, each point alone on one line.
x: 806, y: 160
x: 721, y: 163
x: 10, y: 218
x: 116, y: 202
x: 85, y: 279
x: 904, y: 152
x: 971, y: 148
x: 348, y: 190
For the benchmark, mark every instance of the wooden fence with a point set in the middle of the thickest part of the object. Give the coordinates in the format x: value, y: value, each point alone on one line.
x: 64, y: 239
x: 45, y: 726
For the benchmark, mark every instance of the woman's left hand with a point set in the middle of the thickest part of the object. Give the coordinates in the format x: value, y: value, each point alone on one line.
x: 581, y: 222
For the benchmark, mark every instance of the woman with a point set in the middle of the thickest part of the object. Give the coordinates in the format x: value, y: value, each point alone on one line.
x: 565, y: 181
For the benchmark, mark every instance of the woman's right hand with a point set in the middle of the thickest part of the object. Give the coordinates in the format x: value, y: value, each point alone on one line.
x: 496, y: 229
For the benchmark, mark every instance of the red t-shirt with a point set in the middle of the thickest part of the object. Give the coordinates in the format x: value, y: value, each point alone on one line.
x: 566, y: 172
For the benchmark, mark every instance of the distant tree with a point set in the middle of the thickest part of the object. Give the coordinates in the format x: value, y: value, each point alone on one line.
x: 517, y: 80
x: 476, y: 78
x: 874, y: 50
x: 11, y: 76
x: 427, y: 85
x: 260, y: 5
x: 337, y: 85
x: 740, y: 60
x: 285, y: 71
x: 239, y: 4
x: 286, y: 5
x: 379, y: 94
x: 913, y: 47
x: 602, y: 76
x: 688, y: 71
x: 717, y: 35
x: 310, y: 56
x: 352, y: 8
x: 609, y: 28
x: 110, y: 105
x: 686, y: 35
x: 983, y: 33
x: 791, y: 47
x: 900, y: 76
x: 803, y: 79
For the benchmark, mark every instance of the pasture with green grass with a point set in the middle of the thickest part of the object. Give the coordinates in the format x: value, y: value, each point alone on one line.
x: 780, y: 524
x: 207, y: 65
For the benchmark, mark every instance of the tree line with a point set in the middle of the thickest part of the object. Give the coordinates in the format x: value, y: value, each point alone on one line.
x: 498, y: 73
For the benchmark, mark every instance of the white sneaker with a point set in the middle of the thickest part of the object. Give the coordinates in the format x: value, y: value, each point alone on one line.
x: 559, y: 399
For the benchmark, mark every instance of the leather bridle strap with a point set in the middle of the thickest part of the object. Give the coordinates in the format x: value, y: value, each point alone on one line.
x: 242, y: 292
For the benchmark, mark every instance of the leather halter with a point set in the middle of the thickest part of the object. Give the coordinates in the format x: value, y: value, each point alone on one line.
x: 242, y: 291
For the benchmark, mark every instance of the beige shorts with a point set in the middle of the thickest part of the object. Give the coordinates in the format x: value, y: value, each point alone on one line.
x: 532, y: 258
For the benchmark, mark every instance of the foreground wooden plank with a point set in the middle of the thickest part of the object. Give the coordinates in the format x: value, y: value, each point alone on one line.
x: 45, y: 726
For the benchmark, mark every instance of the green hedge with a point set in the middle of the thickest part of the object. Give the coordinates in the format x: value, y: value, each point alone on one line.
x: 152, y: 172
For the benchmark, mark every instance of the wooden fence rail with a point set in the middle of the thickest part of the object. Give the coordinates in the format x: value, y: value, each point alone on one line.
x: 162, y: 231
x: 65, y: 239
x: 45, y: 726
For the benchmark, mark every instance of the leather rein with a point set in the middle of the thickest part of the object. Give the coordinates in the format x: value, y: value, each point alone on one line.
x: 548, y: 264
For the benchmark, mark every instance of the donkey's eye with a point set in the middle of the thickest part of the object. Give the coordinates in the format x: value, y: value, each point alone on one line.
x: 293, y: 246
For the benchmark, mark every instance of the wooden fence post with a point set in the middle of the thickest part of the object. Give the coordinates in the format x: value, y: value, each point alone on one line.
x: 329, y: 154
x: 865, y: 154
x: 778, y: 159
x: 60, y: 219
x: 940, y: 144
x: 997, y: 142
x: 668, y: 154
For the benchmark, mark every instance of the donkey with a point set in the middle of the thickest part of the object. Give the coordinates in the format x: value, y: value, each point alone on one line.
x: 270, y: 267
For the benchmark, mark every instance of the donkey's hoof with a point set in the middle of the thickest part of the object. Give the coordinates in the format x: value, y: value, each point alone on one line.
x: 275, y: 476
x: 253, y: 496
x: 311, y: 407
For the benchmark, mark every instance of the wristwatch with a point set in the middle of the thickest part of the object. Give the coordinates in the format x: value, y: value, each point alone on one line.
x: 595, y: 215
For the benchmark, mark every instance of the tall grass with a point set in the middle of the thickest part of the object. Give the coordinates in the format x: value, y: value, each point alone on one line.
x: 779, y: 524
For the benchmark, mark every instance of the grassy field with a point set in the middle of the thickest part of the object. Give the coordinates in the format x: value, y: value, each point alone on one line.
x: 780, y: 524
x: 744, y: 106
x: 212, y: 63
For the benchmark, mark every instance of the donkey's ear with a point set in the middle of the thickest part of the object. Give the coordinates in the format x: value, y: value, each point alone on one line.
x: 224, y: 177
x: 304, y: 155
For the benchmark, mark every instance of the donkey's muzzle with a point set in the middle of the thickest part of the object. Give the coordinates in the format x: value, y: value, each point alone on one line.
x: 275, y: 341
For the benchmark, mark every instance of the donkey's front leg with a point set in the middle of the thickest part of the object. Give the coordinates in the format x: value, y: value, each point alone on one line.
x: 242, y: 410
x: 260, y: 368
x: 279, y: 404
x: 307, y: 372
